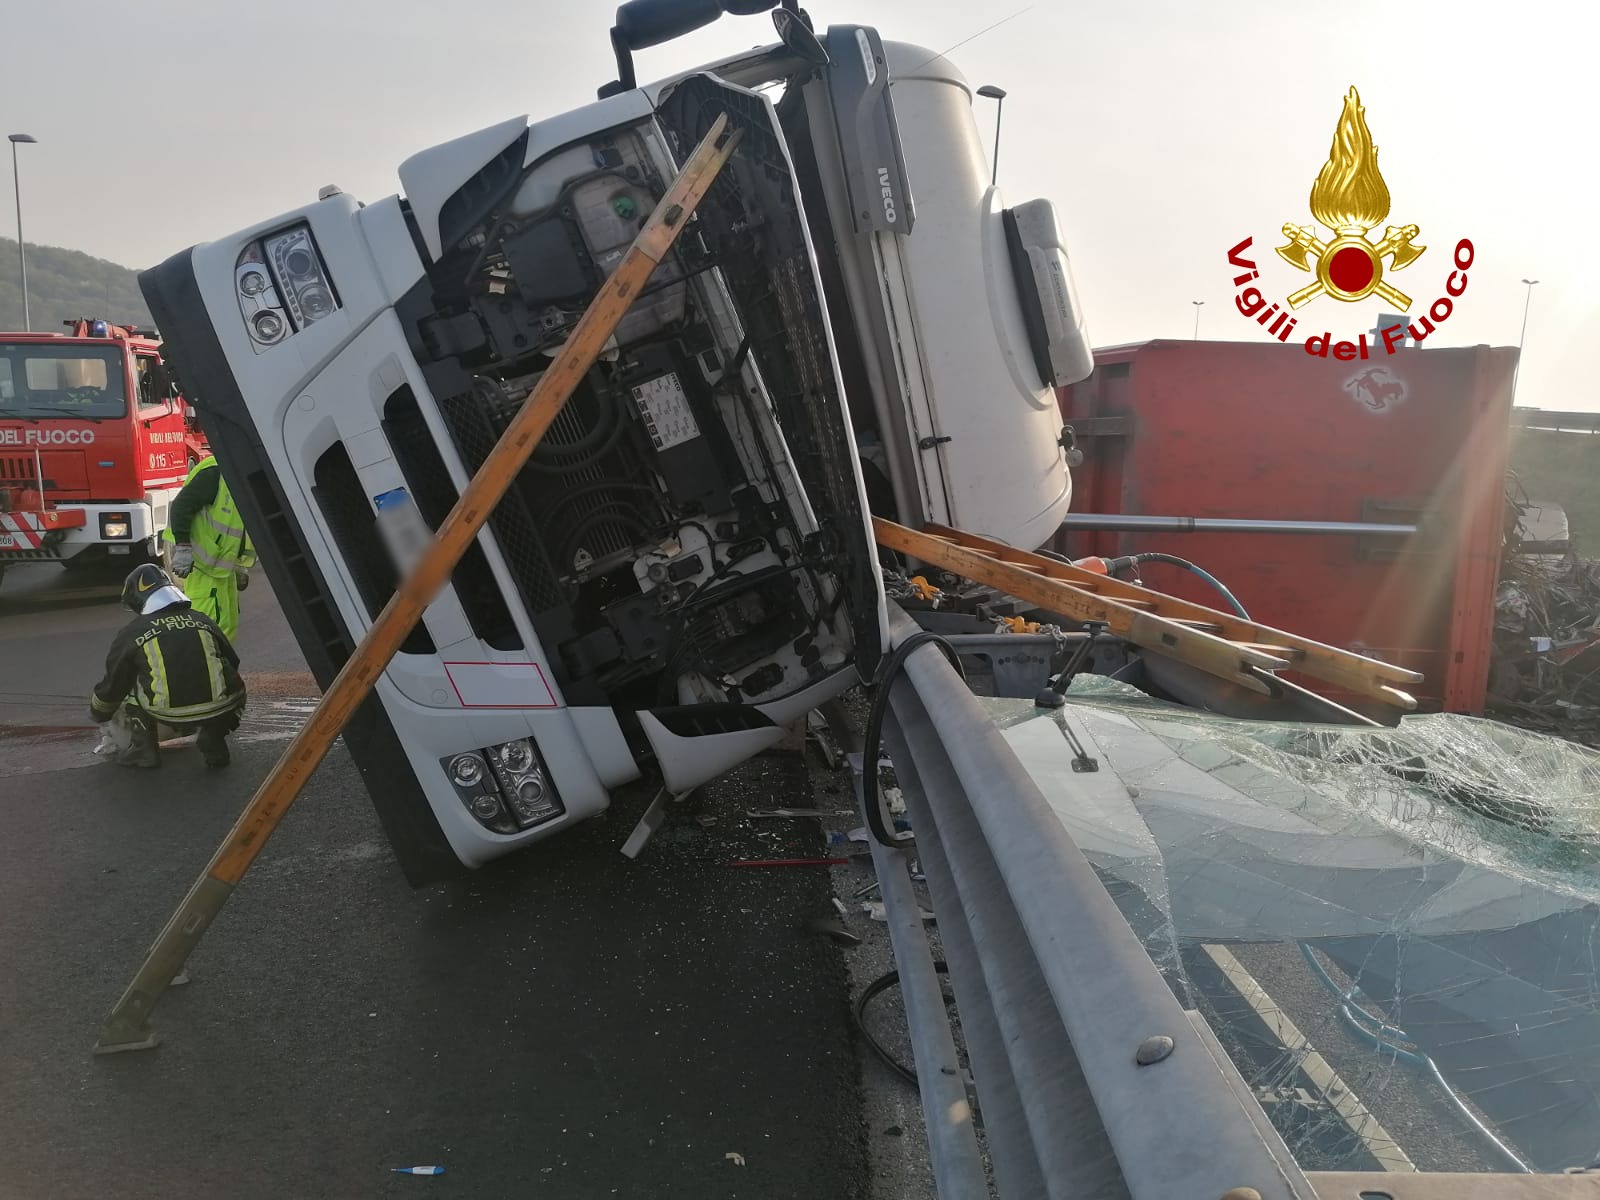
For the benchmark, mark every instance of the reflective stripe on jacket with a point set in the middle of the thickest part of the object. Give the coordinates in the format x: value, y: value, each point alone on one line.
x: 218, y: 537
x: 176, y: 663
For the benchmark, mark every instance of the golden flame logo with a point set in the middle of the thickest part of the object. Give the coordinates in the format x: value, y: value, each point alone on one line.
x: 1350, y: 198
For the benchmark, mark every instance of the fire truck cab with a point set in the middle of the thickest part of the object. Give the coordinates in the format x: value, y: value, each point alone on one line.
x: 95, y: 442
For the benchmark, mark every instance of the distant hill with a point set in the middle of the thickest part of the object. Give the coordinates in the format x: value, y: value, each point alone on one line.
x: 63, y: 284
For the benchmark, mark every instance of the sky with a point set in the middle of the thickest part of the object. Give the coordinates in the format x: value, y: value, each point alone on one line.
x: 1164, y: 132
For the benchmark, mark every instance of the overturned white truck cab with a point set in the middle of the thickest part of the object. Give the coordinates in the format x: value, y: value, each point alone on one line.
x: 852, y: 323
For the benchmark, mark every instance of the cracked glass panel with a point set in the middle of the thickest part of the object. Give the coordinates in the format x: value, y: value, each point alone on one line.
x: 1391, y: 931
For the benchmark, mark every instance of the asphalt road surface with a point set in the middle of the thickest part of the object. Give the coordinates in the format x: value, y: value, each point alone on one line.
x: 566, y: 1023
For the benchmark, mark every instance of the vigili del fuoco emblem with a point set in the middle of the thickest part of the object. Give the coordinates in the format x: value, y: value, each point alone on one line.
x: 1351, y: 199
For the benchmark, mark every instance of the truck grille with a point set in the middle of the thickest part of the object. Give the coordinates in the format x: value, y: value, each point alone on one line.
x: 435, y: 494
x: 18, y: 470
x: 343, y: 501
x: 475, y: 434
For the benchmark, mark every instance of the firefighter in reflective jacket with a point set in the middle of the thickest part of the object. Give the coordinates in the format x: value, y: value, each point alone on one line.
x: 211, y: 553
x: 170, y: 666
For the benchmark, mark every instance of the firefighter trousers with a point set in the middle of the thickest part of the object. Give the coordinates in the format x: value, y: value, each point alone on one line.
x: 216, y: 595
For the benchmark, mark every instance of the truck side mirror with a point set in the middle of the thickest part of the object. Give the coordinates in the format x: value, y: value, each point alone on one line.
x: 161, y: 382
x: 796, y: 35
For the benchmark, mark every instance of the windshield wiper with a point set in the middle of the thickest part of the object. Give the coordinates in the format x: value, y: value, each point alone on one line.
x: 34, y: 414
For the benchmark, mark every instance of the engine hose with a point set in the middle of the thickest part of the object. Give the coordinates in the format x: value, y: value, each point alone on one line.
x: 1174, y: 560
x: 612, y: 512
x: 872, y: 737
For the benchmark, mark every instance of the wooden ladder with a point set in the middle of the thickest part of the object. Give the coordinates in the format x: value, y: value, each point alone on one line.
x: 1219, y: 643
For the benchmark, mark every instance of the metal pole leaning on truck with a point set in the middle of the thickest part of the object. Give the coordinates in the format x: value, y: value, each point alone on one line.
x: 128, y: 1027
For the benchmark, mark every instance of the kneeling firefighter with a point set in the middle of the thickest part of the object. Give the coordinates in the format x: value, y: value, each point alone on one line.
x: 171, y: 666
x: 210, y: 551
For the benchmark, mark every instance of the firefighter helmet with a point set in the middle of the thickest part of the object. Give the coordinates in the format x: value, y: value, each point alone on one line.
x: 141, y: 582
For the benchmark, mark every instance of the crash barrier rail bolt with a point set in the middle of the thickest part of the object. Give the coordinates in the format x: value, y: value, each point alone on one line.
x: 128, y: 1027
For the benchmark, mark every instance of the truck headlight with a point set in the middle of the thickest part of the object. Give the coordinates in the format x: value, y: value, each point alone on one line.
x: 466, y: 770
x: 303, y: 282
x: 523, y: 783
x: 282, y: 286
x: 114, y: 526
x: 505, y: 787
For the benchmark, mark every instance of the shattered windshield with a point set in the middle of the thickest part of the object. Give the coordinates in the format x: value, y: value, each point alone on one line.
x: 40, y: 380
x: 1391, y: 931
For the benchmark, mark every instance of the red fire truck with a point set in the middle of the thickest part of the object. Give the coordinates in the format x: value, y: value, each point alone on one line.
x: 95, y: 442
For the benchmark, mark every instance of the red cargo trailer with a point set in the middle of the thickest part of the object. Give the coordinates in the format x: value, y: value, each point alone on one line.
x: 1260, y: 431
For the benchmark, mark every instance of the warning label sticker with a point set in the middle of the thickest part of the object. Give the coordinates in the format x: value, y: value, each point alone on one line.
x: 665, y: 409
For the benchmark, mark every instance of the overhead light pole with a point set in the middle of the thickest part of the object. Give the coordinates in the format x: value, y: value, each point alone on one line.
x: 18, y: 139
x: 989, y: 92
x: 1198, y: 305
x: 1521, y: 337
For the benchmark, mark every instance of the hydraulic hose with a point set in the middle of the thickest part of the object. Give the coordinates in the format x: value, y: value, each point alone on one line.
x: 872, y: 737
x: 1174, y: 560
x: 882, y: 984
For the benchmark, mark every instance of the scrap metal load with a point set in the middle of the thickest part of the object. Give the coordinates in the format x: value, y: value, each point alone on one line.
x: 852, y: 322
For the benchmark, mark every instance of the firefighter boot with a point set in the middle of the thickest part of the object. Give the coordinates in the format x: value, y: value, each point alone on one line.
x: 213, y: 743
x: 142, y: 750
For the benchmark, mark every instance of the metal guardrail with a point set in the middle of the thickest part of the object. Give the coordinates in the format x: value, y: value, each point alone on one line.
x: 1090, y: 1078
x: 1560, y: 422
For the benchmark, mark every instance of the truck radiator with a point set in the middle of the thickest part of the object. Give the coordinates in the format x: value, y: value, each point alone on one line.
x: 475, y: 434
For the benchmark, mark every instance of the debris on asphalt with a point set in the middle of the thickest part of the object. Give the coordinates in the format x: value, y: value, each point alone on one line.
x: 417, y: 1170
x: 834, y: 929
x: 821, y: 736
x: 789, y: 862
x: 756, y: 813
x: 875, y: 910
x: 838, y: 904
x: 734, y: 1157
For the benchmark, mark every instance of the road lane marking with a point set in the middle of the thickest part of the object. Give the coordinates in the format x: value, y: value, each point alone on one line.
x: 1312, y: 1065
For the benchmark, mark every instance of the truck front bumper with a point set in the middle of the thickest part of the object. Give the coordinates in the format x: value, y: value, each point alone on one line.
x: 63, y: 533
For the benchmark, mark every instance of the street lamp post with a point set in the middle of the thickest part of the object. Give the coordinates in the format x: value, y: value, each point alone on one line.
x: 1198, y: 305
x: 989, y: 92
x: 1521, y: 337
x: 17, y: 139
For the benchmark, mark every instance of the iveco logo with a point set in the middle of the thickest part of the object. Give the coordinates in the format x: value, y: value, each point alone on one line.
x: 887, y: 193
